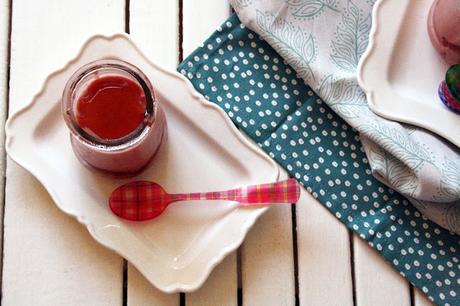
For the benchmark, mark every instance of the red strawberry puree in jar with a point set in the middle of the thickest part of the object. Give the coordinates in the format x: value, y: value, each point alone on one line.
x: 115, y: 123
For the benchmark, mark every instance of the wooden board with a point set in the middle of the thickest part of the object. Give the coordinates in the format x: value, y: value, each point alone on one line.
x: 49, y: 258
x: 141, y: 292
x: 200, y: 19
x: 376, y: 282
x: 325, y: 275
x: 420, y: 299
x: 220, y: 288
x: 154, y: 26
x: 267, y: 259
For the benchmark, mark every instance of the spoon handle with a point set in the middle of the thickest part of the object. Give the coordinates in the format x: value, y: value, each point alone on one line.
x: 287, y: 191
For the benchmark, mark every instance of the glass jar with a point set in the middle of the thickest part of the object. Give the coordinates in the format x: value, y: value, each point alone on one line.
x: 132, y: 147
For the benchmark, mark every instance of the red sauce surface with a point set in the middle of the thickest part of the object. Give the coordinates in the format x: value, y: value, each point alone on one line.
x: 111, y: 107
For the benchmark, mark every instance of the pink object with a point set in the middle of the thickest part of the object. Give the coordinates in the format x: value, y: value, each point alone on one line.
x: 447, y: 99
x: 129, y: 153
x: 444, y: 29
x: 144, y: 200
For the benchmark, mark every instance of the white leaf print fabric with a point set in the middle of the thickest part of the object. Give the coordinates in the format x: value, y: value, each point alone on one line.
x: 323, y: 41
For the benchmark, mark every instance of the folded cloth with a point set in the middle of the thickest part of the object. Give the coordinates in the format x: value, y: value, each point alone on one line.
x: 260, y: 92
x: 323, y: 41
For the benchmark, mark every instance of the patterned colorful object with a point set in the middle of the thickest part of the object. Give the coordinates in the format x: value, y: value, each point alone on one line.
x: 449, y: 90
x: 447, y: 99
x: 144, y: 200
x: 453, y: 81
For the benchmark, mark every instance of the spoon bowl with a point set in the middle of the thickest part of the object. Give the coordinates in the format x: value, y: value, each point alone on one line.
x: 139, y: 200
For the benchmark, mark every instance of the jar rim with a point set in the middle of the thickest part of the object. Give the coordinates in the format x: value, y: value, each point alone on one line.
x: 122, y: 66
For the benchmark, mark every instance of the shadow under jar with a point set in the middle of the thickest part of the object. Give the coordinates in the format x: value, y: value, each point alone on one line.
x: 115, y: 122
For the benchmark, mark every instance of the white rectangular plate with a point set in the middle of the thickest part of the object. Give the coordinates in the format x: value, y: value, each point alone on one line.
x: 204, y: 152
x: 400, y: 71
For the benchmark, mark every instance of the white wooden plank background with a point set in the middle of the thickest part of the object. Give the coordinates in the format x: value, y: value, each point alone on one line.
x: 199, y: 19
x: 268, y: 259
x: 323, y: 246
x: 49, y: 259
x: 372, y: 274
x: 154, y: 26
x: 420, y: 299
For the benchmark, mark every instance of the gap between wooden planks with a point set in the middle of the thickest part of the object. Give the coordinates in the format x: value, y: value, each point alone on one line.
x: 4, y: 69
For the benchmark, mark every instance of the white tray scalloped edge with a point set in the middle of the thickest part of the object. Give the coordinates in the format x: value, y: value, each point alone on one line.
x: 175, y: 287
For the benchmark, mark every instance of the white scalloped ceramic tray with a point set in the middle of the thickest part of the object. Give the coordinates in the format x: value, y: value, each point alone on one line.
x: 400, y: 70
x: 204, y: 151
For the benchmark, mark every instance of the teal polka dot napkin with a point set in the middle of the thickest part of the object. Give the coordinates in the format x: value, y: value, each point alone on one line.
x: 263, y: 96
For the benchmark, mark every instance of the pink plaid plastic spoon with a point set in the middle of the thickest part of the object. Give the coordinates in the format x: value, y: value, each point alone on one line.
x: 144, y: 200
